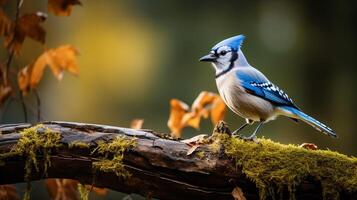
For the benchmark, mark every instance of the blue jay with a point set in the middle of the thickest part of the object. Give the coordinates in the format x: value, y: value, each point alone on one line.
x: 248, y: 93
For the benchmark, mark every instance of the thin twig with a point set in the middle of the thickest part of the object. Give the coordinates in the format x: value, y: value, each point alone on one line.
x: 11, y: 55
x: 38, y: 105
x: 32, y: 111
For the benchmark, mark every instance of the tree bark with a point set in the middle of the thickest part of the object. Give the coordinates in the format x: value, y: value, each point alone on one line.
x: 159, y: 167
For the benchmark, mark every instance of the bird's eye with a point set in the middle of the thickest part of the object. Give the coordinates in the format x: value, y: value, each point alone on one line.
x: 223, y: 52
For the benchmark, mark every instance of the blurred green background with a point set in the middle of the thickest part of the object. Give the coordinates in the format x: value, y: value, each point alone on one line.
x: 136, y: 55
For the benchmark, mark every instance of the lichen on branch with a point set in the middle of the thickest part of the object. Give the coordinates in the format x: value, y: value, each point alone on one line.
x: 34, y: 141
x: 112, y: 155
x: 79, y: 145
x: 274, y: 167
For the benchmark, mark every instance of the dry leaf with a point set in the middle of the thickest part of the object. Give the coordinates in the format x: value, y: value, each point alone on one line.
x: 198, y: 109
x: 5, y: 24
x: 36, y: 69
x: 67, y: 189
x: 191, y: 119
x: 207, y: 103
x: 23, y: 80
x: 62, y: 58
x: 309, y: 146
x: 5, y: 92
x: 136, y: 123
x: 218, y: 110
x: 62, y: 7
x: 198, y: 139
x: 58, y: 59
x: 195, y: 142
x: 8, y: 192
x: 203, y: 99
x: 237, y: 194
x: 27, y: 26
x: 178, y: 109
x: 192, y: 149
x: 62, y: 189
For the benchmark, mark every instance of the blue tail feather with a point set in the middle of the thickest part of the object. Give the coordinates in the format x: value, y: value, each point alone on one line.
x: 310, y: 120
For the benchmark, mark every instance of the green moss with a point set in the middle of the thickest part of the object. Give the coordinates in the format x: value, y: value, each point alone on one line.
x: 200, y: 154
x: 273, y: 166
x: 33, y: 141
x: 83, y: 191
x: 113, y: 153
x: 79, y: 145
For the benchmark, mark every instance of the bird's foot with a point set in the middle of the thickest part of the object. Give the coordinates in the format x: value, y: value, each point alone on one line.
x: 236, y: 134
x: 252, y: 138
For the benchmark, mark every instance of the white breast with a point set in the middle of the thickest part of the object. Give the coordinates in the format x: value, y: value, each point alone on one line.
x: 242, y: 103
x: 225, y: 85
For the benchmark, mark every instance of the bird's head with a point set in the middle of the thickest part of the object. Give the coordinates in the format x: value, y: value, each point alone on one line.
x: 225, y: 53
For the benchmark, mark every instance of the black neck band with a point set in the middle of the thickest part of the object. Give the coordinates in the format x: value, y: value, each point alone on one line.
x: 226, y: 70
x: 231, y: 65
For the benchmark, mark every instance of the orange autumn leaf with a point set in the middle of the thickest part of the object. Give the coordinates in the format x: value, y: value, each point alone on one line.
x: 62, y: 7
x: 181, y: 116
x: 206, y: 103
x: 62, y: 189
x: 62, y: 58
x: 218, y: 110
x: 202, y: 100
x: 177, y: 111
x: 67, y: 189
x: 23, y: 80
x: 192, y: 119
x: 237, y: 194
x: 8, y: 192
x: 28, y: 25
x: 58, y: 59
x: 36, y: 70
x: 136, y: 123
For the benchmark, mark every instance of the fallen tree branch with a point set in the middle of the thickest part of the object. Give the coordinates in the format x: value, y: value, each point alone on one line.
x: 159, y: 167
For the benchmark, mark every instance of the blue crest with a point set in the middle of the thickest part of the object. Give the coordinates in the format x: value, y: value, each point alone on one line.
x: 234, y: 42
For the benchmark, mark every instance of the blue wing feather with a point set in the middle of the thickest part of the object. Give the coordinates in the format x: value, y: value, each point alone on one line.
x: 256, y: 83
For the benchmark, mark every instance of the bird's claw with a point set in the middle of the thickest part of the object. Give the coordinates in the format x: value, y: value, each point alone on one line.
x: 236, y: 134
x: 252, y: 138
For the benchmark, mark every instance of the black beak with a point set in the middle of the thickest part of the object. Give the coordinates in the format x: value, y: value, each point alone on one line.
x: 208, y: 58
